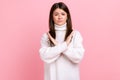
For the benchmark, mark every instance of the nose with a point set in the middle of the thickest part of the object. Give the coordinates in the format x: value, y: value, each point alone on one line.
x: 59, y: 17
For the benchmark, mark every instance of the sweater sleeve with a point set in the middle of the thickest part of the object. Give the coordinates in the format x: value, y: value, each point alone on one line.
x: 75, y: 50
x: 50, y: 54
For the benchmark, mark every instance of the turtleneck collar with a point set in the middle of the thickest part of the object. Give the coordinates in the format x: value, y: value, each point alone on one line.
x: 60, y: 28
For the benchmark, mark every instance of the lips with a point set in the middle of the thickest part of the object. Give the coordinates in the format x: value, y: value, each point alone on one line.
x: 59, y: 21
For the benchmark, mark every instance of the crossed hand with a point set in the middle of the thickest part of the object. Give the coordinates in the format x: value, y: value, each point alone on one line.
x: 68, y: 40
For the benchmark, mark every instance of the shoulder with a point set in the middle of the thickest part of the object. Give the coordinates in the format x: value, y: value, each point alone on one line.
x: 44, y: 36
x: 76, y: 32
x: 77, y: 35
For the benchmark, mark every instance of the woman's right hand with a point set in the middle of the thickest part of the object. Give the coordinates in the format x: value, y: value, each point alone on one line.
x: 69, y: 38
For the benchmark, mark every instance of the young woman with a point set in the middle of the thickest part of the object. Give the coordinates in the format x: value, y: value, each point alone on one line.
x: 61, y: 47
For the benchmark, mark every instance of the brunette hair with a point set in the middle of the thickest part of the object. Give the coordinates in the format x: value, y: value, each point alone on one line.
x: 62, y: 6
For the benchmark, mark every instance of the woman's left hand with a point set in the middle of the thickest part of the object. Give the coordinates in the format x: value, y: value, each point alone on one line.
x: 52, y: 39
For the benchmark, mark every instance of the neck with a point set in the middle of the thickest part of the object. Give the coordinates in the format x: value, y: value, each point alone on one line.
x: 61, y: 27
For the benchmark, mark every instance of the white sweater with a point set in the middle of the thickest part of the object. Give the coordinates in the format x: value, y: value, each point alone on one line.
x: 62, y: 61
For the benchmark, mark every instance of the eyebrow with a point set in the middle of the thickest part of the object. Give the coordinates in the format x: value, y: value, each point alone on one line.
x: 59, y: 12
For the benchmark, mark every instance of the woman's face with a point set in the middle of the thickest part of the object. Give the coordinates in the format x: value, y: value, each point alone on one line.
x: 59, y: 16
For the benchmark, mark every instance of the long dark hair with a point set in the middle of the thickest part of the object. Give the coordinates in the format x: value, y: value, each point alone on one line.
x: 62, y: 6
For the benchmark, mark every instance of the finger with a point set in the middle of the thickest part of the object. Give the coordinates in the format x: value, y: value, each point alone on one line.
x: 49, y: 35
x: 71, y: 34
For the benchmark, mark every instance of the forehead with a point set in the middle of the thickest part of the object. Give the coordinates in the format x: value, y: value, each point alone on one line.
x: 58, y: 10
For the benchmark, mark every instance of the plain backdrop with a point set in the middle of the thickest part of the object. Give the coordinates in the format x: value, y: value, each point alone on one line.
x: 22, y: 23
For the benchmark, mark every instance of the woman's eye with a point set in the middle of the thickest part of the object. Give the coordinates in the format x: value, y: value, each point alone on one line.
x: 63, y: 14
x: 56, y: 14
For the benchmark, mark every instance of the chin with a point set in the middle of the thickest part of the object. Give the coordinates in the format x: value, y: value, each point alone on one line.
x: 60, y: 24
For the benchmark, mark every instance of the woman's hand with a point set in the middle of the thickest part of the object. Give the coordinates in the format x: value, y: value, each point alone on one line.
x: 69, y: 38
x: 52, y: 39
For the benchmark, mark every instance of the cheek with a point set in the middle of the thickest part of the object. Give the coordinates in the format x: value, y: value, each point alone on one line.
x: 65, y: 18
x: 55, y: 17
